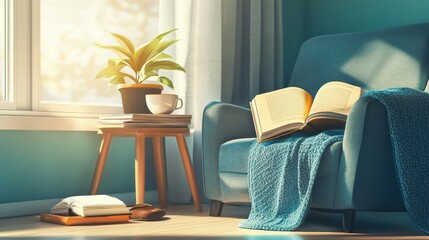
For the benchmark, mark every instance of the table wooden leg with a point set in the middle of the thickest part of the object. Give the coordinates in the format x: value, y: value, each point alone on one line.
x: 160, y: 171
x: 189, y: 170
x: 101, y: 161
x: 140, y: 167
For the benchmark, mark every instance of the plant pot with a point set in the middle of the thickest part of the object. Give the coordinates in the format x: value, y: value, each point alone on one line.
x: 134, y: 96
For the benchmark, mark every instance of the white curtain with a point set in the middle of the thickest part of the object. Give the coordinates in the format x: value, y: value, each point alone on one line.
x: 199, y: 50
x: 231, y: 50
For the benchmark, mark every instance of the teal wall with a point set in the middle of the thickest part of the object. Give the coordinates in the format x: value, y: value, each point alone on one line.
x: 38, y: 165
x: 41, y: 165
x: 307, y: 18
x: 294, y: 34
x: 333, y: 16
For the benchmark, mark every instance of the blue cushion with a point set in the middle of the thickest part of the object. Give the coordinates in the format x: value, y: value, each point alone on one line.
x: 233, y: 162
x: 233, y: 155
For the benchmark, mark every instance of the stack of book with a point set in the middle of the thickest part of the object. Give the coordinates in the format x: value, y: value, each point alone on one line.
x: 85, y: 210
x: 146, y: 120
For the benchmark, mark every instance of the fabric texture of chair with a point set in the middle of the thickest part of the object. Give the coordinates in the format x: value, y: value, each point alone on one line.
x: 356, y: 174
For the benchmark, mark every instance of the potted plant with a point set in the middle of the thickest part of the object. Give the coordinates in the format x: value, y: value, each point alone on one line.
x: 134, y: 67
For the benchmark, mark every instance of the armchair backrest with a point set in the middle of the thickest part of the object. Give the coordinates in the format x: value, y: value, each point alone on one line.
x: 397, y: 57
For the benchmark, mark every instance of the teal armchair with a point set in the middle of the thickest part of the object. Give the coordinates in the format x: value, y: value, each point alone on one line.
x: 356, y: 174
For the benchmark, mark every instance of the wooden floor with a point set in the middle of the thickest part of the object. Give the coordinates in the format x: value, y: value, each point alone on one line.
x: 182, y: 222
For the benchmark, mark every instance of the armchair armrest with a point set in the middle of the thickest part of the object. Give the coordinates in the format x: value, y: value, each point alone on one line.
x: 221, y: 122
x: 367, y: 164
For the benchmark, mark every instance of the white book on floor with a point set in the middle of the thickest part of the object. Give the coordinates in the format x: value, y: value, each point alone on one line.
x: 90, y: 205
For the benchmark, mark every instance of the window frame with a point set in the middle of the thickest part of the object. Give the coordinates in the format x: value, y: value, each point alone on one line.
x: 26, y: 111
x: 8, y: 103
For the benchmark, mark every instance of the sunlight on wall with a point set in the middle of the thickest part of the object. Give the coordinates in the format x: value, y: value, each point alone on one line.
x: 68, y: 32
x: 388, y: 61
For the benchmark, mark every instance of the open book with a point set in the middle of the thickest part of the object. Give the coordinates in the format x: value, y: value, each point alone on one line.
x: 91, y: 205
x: 287, y: 110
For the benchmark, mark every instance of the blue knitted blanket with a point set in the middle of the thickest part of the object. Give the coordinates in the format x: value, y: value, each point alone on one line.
x: 408, y: 119
x: 282, y: 171
x: 281, y: 176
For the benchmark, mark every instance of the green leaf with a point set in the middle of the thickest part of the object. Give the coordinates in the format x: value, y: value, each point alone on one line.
x: 161, y: 56
x: 161, y: 47
x: 114, y: 71
x: 117, y: 80
x: 165, y: 65
x: 162, y: 35
x: 141, y: 55
x: 109, y: 71
x: 114, y: 62
x: 132, y: 64
x: 124, y: 41
x: 166, y: 81
x: 117, y: 49
x: 144, y: 53
x: 122, y: 74
x: 149, y: 74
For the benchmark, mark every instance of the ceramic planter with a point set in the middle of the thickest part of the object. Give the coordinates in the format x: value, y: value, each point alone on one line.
x: 134, y: 96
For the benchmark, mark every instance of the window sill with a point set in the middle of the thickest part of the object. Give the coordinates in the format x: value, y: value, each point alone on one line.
x: 47, y: 121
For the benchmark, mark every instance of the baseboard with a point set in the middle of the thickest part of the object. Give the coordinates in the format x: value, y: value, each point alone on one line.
x: 16, y: 209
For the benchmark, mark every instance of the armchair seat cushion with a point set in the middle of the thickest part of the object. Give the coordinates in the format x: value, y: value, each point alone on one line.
x: 233, y: 163
x: 233, y: 155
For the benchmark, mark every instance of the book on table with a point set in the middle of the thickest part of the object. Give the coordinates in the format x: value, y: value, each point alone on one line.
x: 145, y: 120
x: 284, y: 111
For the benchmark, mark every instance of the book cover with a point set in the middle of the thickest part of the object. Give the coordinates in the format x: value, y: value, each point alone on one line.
x: 78, y: 220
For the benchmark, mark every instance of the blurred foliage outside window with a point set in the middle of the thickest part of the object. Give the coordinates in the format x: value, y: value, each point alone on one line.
x: 69, y: 60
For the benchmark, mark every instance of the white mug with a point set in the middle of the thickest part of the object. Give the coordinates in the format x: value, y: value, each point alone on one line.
x: 163, y: 103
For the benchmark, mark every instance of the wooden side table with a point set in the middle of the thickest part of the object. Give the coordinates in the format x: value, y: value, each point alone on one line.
x: 140, y: 134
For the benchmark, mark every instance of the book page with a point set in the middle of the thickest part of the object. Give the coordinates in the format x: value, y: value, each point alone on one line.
x: 281, y: 107
x: 90, y: 205
x: 337, y: 97
x: 256, y: 122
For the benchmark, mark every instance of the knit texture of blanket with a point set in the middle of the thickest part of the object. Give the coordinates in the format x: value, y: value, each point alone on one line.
x: 282, y: 171
x: 408, y: 119
x: 281, y: 176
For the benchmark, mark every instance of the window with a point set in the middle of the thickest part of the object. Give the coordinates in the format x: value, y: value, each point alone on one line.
x: 64, y: 58
x: 48, y: 60
x: 69, y: 60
